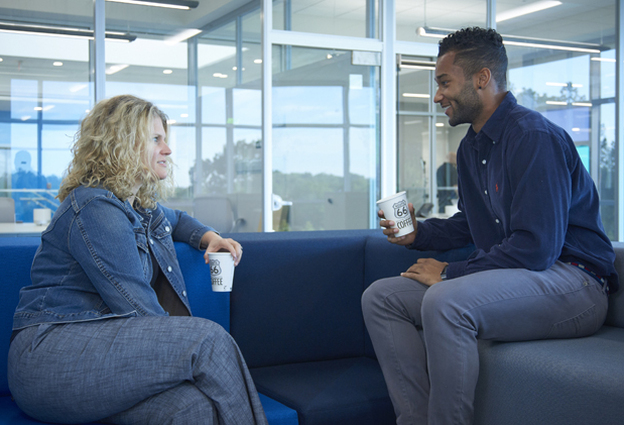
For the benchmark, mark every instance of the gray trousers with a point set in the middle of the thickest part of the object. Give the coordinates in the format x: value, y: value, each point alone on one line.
x: 142, y: 370
x: 426, y: 337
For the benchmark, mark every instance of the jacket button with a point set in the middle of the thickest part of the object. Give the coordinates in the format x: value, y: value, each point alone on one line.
x: 151, y: 241
x: 184, y: 293
x: 169, y: 269
x: 167, y: 228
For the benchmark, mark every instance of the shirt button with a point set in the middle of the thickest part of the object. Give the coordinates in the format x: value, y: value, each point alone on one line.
x: 167, y: 228
x: 169, y: 269
x: 483, y: 162
x: 184, y: 293
x: 497, y: 221
x: 485, y: 192
x: 493, y: 142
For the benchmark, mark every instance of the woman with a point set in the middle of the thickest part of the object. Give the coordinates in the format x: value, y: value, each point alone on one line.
x: 104, y: 332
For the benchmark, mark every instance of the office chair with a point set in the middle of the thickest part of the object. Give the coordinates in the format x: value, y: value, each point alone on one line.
x: 216, y: 211
x: 7, y: 210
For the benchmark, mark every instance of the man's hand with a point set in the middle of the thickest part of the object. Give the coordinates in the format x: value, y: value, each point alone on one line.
x: 426, y: 270
x: 389, y: 231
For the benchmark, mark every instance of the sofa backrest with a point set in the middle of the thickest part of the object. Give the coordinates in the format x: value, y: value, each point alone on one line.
x: 16, y: 254
x: 296, y: 296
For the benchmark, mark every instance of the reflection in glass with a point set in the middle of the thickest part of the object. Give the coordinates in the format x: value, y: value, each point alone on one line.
x: 325, y: 133
x: 356, y: 18
x: 46, y: 91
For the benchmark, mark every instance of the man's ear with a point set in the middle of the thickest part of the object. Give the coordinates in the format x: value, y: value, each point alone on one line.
x: 483, y: 78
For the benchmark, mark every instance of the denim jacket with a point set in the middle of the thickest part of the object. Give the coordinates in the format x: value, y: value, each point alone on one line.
x: 94, y: 261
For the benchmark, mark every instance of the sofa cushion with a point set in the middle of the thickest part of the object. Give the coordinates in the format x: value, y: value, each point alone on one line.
x: 615, y: 315
x: 335, y: 392
x: 556, y: 382
x: 296, y: 297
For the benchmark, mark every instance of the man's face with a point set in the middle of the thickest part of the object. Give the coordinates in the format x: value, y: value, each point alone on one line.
x: 456, y: 95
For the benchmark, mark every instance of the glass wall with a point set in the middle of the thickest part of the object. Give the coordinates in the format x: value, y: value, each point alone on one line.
x: 561, y: 63
x: 204, y: 66
x: 355, y: 18
x: 325, y: 132
x: 45, y: 90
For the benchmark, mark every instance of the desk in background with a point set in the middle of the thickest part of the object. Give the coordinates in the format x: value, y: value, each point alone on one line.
x: 21, y: 229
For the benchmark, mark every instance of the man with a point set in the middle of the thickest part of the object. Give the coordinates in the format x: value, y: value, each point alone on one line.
x: 542, y: 267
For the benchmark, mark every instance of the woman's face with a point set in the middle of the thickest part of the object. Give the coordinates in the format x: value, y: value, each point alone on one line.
x: 158, y: 150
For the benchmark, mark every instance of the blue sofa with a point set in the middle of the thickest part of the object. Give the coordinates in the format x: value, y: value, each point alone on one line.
x: 295, y: 313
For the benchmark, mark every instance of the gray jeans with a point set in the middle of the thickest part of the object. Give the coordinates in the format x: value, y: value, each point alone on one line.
x: 143, y: 370
x: 426, y: 337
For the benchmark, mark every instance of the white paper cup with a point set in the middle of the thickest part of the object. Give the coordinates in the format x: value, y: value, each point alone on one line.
x: 221, y: 271
x: 395, y: 208
x: 42, y: 216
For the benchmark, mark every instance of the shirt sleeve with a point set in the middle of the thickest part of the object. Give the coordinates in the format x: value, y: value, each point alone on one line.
x: 538, y: 165
x: 186, y: 229
x: 114, y: 257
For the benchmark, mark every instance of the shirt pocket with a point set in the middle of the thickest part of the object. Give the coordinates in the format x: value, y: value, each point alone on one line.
x: 144, y: 252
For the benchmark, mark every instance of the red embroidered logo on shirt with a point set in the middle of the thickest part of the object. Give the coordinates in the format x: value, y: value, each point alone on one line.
x: 497, y: 187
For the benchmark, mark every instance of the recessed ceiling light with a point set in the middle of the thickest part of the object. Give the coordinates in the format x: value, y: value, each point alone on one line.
x: 167, y: 71
x: 38, y: 108
x: 183, y: 115
x: 257, y: 60
x: 57, y: 63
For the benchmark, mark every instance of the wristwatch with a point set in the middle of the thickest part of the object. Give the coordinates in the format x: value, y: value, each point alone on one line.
x: 443, y: 274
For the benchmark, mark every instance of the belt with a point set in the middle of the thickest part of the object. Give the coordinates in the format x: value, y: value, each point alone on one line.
x: 602, y: 280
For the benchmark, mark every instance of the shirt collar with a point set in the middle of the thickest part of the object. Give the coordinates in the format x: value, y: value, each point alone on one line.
x: 493, y: 128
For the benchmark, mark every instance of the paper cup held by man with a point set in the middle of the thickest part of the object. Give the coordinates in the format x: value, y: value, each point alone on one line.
x: 395, y: 208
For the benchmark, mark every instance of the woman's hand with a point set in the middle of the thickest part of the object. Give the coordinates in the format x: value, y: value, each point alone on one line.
x: 215, y: 243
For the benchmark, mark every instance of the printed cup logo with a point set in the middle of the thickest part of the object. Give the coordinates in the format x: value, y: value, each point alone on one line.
x: 215, y: 267
x: 400, y: 210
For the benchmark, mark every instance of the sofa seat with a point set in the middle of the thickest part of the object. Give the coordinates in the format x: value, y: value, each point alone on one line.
x: 554, y: 382
x: 347, y: 391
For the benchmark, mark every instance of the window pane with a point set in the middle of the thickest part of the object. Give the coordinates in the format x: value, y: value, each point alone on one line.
x: 325, y: 133
x: 450, y: 14
x: 46, y: 91
x: 574, y: 88
x: 355, y: 18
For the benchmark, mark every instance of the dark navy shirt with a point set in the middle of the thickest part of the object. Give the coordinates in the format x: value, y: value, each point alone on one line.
x: 526, y: 200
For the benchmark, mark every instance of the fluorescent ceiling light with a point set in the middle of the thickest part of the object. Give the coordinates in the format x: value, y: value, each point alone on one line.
x: 586, y: 104
x: 511, y: 40
x: 604, y: 60
x: 417, y: 64
x: 113, y: 69
x: 417, y: 95
x: 61, y: 31
x: 525, y: 10
x: 556, y: 102
x: 181, y: 36
x: 171, y: 4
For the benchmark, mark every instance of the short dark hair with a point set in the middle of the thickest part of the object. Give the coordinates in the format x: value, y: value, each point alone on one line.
x: 477, y: 48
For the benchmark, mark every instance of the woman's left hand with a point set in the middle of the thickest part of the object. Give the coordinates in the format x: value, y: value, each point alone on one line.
x: 216, y: 243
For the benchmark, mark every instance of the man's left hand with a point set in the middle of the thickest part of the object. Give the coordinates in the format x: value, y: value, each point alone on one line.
x: 426, y: 271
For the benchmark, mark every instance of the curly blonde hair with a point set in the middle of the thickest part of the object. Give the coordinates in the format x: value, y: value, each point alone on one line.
x: 110, y: 151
